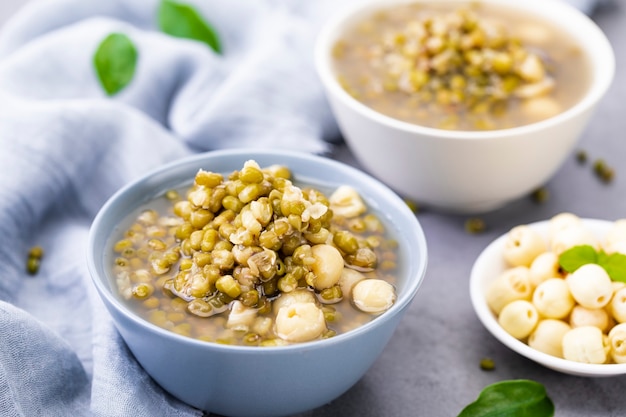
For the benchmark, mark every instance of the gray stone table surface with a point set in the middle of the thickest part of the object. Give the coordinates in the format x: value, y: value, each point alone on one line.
x: 431, y: 366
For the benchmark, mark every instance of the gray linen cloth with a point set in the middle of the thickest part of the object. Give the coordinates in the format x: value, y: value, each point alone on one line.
x: 65, y: 147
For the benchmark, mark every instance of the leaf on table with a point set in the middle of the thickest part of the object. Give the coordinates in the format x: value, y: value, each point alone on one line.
x: 183, y: 21
x: 519, y: 398
x: 115, y: 61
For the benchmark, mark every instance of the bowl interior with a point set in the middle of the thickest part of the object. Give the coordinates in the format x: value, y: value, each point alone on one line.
x: 586, y: 33
x: 321, y: 172
x: 488, y: 266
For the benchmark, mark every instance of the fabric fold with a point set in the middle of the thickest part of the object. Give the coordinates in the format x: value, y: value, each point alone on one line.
x: 39, y: 373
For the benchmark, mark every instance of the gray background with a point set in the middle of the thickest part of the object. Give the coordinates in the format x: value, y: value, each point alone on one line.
x: 431, y: 367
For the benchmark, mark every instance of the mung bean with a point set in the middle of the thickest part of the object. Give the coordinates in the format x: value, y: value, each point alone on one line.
x: 245, y: 238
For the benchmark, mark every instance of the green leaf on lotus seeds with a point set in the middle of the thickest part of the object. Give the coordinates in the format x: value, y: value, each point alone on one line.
x: 577, y: 256
x: 183, y: 21
x: 115, y: 61
x: 615, y: 265
x: 518, y: 398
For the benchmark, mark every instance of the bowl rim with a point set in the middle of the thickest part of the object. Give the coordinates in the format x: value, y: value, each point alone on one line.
x: 600, y: 83
x: 417, y: 271
x: 477, y: 284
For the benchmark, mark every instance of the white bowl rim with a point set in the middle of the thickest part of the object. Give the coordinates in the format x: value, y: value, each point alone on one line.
x: 597, y: 89
x: 375, y: 186
x: 488, y: 319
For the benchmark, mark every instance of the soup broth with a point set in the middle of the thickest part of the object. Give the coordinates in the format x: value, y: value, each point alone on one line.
x: 476, y: 67
x: 166, y: 275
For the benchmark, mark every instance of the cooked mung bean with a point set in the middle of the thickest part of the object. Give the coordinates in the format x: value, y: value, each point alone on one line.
x: 474, y: 67
x: 220, y: 260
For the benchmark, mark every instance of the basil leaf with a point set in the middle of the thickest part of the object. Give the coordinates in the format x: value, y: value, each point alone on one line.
x: 575, y: 257
x: 519, y: 398
x: 115, y: 61
x: 615, y: 265
x: 183, y: 21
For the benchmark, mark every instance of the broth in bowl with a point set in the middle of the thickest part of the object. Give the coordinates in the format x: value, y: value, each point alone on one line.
x: 478, y: 66
x: 254, y: 258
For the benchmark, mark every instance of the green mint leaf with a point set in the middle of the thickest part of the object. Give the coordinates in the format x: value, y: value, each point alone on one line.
x: 575, y: 257
x: 183, y: 21
x: 115, y: 61
x: 615, y: 265
x: 519, y: 398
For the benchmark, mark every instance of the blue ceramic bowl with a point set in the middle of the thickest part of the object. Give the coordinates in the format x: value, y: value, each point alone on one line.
x: 255, y: 381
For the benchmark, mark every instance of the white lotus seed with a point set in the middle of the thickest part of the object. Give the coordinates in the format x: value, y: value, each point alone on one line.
x: 552, y: 299
x: 300, y: 322
x: 617, y: 306
x: 373, y: 295
x: 240, y: 316
x: 617, y: 342
x: 585, y: 344
x: 262, y: 325
x: 590, y: 286
x: 616, y: 247
x: 561, y: 222
x: 545, y: 266
x: 286, y: 299
x: 573, y: 236
x: 327, y: 267
x: 347, y: 281
x: 519, y: 318
x: 568, y: 315
x: 582, y: 316
x: 617, y: 285
x: 548, y: 337
x: 346, y: 202
x: 616, y: 236
x: 513, y: 284
x: 523, y: 244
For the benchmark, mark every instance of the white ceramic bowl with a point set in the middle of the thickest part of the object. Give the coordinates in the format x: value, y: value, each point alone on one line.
x: 258, y: 381
x: 489, y: 264
x: 464, y: 171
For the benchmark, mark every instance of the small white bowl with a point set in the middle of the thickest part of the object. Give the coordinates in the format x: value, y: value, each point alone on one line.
x: 465, y: 171
x: 489, y: 264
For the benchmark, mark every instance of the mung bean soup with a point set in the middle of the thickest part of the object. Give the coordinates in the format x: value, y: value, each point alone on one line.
x: 255, y: 258
x: 474, y: 67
